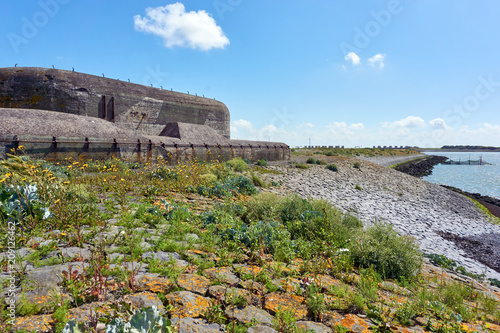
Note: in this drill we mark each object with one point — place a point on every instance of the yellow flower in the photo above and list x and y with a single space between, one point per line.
2 180
20 147
63 234
8 174
57 201
122 180
66 182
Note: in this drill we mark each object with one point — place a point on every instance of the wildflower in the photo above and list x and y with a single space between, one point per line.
63 234
57 201
2 180
66 182
20 147
122 180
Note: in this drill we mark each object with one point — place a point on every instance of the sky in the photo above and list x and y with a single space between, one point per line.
321 72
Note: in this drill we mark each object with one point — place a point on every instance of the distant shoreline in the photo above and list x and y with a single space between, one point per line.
438 150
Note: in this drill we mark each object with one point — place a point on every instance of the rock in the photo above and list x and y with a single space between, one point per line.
166 257
145 299
40 323
248 314
261 329
154 283
313 326
187 304
191 237
247 270
355 324
222 274
277 301
83 313
48 277
228 294
70 252
192 325
193 282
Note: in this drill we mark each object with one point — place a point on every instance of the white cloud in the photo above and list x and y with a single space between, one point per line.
377 61
411 131
408 122
196 30
438 123
243 124
358 126
353 58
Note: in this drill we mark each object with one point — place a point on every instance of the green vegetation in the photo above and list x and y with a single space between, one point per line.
212 215
390 255
332 167
352 152
238 164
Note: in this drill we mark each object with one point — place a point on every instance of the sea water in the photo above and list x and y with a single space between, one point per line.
483 179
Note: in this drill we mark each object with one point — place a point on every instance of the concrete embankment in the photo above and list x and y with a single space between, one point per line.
413 206
391 160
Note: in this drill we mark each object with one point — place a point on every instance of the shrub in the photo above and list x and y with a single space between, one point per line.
302 166
262 162
262 207
332 167
356 165
256 180
208 178
311 160
241 185
391 255
238 164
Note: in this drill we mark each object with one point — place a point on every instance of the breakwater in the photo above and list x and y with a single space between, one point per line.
420 167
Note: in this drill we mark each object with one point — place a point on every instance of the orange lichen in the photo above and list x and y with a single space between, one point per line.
355 324
155 284
286 302
41 323
195 283
186 304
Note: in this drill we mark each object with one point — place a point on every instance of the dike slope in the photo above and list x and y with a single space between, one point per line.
413 206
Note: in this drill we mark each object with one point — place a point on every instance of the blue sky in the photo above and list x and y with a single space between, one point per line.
352 73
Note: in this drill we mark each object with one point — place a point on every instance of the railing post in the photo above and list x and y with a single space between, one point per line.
149 153
138 150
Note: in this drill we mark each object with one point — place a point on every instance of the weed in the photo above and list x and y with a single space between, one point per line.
332 167
391 255
357 187
356 165
261 163
238 164
284 321
302 166
315 302
405 314
256 180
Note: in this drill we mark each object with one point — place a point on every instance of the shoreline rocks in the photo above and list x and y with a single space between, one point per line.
420 167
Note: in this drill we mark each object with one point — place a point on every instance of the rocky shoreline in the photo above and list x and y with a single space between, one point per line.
413 206
420 167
